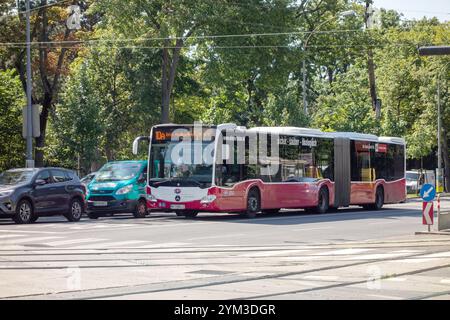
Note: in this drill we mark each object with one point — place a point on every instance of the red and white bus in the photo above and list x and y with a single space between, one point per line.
316 171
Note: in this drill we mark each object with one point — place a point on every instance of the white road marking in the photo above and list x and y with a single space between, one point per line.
384 297
321 278
414 260
4 236
445 281
35 239
116 244
342 252
164 245
27 231
377 256
309 229
225 235
437 255
272 253
396 279
73 241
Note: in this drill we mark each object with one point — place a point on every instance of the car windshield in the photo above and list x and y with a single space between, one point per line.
15 177
118 171
412 176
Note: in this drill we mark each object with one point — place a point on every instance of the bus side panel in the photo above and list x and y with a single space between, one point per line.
394 191
362 193
289 195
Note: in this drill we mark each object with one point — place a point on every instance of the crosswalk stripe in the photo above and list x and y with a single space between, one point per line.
111 244
342 252
35 239
73 241
5 236
377 256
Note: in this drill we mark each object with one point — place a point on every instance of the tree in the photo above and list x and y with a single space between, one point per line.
12 148
48 61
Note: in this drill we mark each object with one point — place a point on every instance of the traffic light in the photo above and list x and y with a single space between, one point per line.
36 121
434 51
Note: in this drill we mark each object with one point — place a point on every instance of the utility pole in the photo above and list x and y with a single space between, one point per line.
29 114
435 51
376 104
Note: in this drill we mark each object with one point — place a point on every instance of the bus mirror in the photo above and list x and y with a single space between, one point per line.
136 144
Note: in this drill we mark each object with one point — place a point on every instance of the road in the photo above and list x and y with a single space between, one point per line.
350 254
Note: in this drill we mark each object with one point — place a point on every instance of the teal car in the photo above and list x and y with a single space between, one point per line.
118 187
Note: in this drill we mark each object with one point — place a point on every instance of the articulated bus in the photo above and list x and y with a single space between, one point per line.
229 168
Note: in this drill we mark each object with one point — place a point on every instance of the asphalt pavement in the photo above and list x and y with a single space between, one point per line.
349 254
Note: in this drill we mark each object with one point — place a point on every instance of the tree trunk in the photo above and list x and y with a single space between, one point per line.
446 156
40 141
169 69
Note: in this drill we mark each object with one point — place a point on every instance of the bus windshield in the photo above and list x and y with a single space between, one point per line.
172 165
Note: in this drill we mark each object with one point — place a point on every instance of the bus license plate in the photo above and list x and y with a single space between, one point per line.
100 203
177 206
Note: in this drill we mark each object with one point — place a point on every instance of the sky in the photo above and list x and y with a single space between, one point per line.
417 9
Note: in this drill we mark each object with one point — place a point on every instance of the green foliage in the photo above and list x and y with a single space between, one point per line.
12 145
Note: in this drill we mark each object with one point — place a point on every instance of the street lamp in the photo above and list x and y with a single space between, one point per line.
439 179
340 15
433 51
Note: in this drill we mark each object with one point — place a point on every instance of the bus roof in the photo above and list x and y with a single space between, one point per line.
309 132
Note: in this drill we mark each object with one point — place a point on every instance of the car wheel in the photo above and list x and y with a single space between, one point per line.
24 212
75 210
253 203
141 209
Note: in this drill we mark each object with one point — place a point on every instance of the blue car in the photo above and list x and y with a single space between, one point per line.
118 187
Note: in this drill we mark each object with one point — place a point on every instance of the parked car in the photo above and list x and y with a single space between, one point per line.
27 194
118 187
415 179
88 178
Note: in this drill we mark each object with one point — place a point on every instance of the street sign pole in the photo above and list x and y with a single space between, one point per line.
29 114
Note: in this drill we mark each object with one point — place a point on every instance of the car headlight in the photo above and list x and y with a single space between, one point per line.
208 199
6 193
125 190
151 198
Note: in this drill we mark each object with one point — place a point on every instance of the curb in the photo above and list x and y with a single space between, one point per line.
437 233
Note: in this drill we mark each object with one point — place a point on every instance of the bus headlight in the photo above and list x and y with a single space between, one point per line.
208 199
125 190
151 198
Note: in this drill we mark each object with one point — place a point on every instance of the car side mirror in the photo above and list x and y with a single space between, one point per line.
142 178
40 182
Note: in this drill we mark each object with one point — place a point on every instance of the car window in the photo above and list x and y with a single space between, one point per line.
44 175
59 176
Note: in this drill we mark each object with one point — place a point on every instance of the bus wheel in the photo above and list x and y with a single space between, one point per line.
271 211
141 209
190 214
323 202
379 199
253 203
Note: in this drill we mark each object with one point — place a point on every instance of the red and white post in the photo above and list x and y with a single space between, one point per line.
427 214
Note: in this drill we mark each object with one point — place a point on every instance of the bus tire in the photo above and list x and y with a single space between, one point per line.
141 209
253 203
190 214
323 202
271 211
379 199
